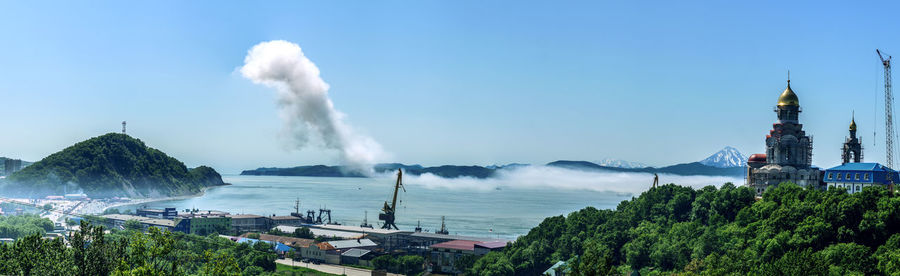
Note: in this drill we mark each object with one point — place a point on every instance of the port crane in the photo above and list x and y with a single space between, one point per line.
389 210
443 230
888 110
365 223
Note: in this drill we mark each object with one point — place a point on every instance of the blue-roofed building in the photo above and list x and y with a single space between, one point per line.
856 176
279 248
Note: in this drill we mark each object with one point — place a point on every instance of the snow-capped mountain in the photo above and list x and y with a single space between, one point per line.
728 157
618 163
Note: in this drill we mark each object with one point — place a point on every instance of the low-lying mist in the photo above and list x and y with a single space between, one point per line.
543 177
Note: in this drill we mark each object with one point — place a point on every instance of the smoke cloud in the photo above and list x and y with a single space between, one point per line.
541 177
306 109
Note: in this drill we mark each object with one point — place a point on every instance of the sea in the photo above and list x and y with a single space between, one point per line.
498 211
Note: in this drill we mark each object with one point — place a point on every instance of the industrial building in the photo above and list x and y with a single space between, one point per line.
357 256
166 213
202 224
249 223
443 256
118 220
285 220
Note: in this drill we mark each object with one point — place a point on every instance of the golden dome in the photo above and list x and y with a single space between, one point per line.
788 97
852 124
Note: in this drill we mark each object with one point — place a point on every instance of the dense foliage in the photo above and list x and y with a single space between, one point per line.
111 165
15 227
406 264
92 252
674 229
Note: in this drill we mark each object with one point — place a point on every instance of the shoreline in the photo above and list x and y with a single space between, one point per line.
107 206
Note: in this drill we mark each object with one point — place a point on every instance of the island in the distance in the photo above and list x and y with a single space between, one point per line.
110 165
452 171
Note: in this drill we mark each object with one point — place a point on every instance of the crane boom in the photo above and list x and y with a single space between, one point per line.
389 211
888 110
397 188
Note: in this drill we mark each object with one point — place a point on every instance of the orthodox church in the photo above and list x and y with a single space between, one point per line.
788 156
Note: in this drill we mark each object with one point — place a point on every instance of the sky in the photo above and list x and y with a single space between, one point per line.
447 82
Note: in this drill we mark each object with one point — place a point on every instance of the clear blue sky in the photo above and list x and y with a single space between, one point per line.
447 82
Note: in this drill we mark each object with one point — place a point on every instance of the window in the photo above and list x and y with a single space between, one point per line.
856 176
866 176
858 188
847 176
830 175
839 176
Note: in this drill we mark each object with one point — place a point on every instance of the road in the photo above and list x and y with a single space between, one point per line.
333 269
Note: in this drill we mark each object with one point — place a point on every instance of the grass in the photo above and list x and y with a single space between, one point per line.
360 266
282 269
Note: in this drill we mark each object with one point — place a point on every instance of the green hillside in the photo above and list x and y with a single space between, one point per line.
111 165
674 230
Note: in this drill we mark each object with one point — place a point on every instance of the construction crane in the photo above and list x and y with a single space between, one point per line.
888 111
389 210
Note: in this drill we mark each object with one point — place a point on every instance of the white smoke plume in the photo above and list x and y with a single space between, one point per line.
306 109
543 177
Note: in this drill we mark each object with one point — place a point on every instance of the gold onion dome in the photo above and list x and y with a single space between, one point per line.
852 124
788 97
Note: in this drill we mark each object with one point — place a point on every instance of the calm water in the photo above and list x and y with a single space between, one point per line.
510 211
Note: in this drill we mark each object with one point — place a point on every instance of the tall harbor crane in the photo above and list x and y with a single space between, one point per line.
888 110
389 210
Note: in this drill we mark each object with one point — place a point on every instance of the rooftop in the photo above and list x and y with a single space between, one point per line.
352 243
861 167
290 241
244 216
492 244
356 229
145 220
323 232
457 244
454 237
284 218
356 252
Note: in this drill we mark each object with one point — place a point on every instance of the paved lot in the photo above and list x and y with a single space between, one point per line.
333 269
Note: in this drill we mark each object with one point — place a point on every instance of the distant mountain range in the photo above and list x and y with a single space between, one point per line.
727 162
446 171
619 163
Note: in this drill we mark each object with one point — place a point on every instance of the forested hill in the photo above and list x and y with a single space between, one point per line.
679 230
111 165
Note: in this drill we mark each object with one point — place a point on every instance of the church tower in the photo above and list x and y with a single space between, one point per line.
787 143
852 151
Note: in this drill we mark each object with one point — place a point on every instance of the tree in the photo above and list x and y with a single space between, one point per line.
304 233
133 225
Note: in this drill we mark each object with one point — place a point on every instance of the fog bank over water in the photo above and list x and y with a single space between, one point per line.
540 177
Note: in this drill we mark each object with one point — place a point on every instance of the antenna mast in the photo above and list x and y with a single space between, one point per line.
123 127
888 111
